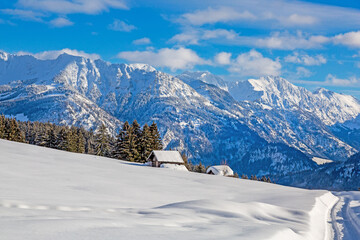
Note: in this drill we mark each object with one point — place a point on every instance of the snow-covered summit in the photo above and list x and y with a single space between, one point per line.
4 56
204 76
273 91
144 67
277 92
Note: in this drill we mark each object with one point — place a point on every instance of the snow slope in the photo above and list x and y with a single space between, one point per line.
51 194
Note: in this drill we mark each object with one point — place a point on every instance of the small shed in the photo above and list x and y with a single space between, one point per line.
222 170
156 158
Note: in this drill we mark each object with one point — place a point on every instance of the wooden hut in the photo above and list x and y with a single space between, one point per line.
156 158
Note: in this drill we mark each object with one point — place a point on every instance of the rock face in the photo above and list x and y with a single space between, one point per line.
260 126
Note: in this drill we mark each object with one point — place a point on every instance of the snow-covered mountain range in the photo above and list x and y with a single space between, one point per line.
259 126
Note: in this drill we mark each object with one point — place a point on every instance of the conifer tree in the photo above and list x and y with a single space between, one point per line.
186 161
28 133
102 147
80 142
145 143
72 139
156 143
12 131
89 141
51 140
122 145
19 135
135 137
62 139
235 175
2 126
40 134
199 168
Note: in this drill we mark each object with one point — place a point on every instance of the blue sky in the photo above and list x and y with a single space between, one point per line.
310 43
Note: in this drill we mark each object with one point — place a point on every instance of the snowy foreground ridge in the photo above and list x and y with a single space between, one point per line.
51 194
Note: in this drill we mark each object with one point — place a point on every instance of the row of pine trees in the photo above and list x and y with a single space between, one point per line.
133 142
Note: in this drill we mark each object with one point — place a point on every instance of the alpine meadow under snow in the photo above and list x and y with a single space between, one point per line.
52 194
264 126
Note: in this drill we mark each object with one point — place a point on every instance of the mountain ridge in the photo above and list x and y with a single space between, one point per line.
205 120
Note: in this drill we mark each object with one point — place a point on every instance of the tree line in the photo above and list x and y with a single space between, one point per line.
254 177
132 143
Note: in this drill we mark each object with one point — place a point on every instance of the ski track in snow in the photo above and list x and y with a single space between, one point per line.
16 205
345 216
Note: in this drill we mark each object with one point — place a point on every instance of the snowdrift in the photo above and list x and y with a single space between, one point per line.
51 194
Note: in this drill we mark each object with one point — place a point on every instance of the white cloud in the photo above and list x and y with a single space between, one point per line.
274 14
277 40
350 39
356 55
181 58
38 10
142 41
296 19
287 41
223 58
255 64
47 55
61 22
303 72
24 14
194 36
188 37
306 59
219 33
72 6
333 80
212 15
121 26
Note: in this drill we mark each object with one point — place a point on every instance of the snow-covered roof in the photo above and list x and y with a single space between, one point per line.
223 170
178 167
166 157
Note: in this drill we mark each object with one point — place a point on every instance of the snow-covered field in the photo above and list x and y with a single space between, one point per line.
51 194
